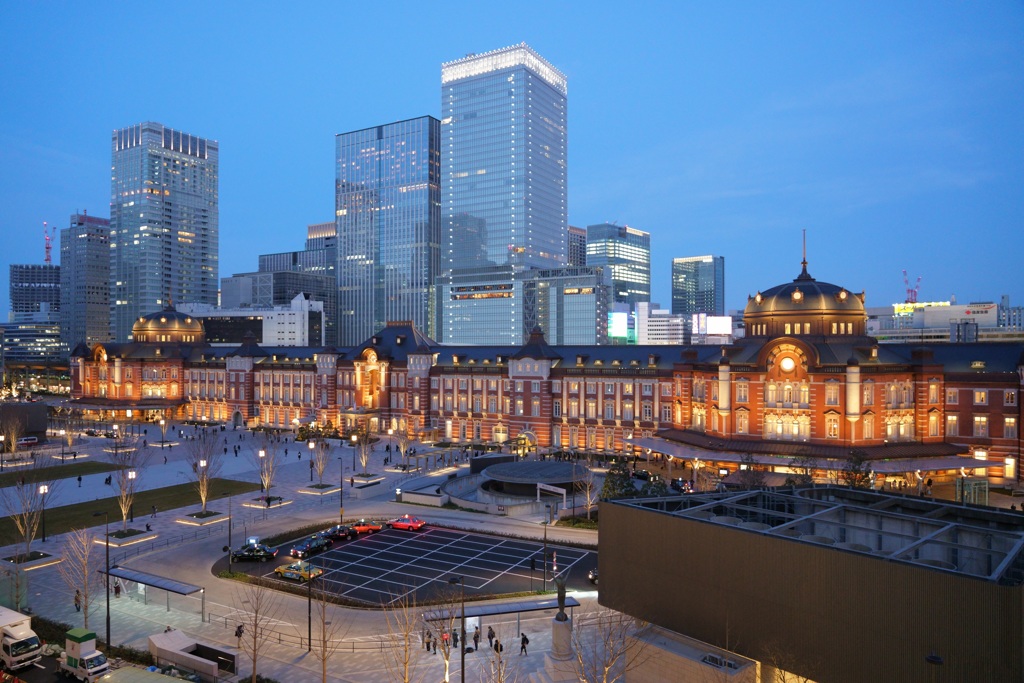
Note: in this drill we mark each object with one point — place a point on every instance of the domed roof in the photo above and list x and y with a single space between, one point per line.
805 295
168 325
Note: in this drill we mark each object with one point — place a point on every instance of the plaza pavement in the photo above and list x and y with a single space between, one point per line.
189 559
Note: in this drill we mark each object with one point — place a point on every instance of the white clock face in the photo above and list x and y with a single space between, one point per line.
787 364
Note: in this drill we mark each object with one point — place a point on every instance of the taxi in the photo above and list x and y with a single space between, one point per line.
407 523
365 526
300 571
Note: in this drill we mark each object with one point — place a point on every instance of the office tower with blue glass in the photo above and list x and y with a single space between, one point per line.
164 222
626 253
698 285
504 180
388 218
85 281
577 246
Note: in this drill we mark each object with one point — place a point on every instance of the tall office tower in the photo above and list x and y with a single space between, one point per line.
626 252
85 281
504 145
388 216
577 246
35 293
698 285
164 222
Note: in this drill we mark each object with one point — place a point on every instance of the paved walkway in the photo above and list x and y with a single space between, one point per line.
189 559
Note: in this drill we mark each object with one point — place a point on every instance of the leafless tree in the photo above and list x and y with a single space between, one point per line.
131 461
206 461
266 458
77 570
404 624
779 662
402 439
589 487
363 446
499 667
331 627
802 471
606 645
12 429
24 501
258 607
751 475
444 620
321 459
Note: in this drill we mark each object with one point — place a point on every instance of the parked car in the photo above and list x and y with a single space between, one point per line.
301 571
592 576
254 552
339 532
407 523
642 474
311 546
364 526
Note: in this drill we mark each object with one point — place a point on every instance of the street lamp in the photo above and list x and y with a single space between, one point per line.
355 440
63 432
461 580
263 486
163 431
309 606
341 490
43 490
1 452
106 536
131 487
312 447
547 518
230 547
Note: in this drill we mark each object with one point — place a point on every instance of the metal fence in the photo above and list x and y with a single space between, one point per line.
293 640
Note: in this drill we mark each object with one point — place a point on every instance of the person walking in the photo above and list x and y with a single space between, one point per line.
523 642
78 600
490 637
79 481
154 512
476 639
117 588
498 647
426 640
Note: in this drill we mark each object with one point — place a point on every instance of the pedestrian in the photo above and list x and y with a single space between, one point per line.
433 645
78 600
498 647
523 642
117 588
240 631
444 641
154 512
455 640
476 639
79 481
148 527
490 637
426 640
165 459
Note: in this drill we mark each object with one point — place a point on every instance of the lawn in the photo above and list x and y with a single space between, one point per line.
13 474
66 517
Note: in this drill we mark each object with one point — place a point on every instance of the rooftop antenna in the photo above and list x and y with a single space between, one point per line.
49 246
804 275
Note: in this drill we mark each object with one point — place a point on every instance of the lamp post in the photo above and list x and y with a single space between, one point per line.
355 441
106 536
341 490
230 547
263 486
461 580
309 606
114 431
163 431
2 452
547 517
43 490
63 433
312 447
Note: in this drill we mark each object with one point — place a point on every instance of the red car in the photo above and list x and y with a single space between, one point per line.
365 526
408 523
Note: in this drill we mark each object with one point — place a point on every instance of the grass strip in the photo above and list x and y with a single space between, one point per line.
13 474
79 515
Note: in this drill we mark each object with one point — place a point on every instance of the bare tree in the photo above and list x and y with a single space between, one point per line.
802 471
779 662
12 429
499 667
266 458
25 500
205 459
258 606
857 471
606 645
77 570
331 627
444 621
588 486
751 475
363 446
402 437
321 459
403 623
131 461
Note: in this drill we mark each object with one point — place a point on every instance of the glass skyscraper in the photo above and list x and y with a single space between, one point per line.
504 145
164 222
85 281
626 252
698 285
388 217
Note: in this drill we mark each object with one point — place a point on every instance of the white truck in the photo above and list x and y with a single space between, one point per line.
19 644
80 658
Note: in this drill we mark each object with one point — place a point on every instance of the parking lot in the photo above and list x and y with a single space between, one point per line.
390 565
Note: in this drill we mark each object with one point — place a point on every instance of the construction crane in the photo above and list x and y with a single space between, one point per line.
911 291
49 246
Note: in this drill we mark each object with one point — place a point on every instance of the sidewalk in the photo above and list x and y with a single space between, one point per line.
132 621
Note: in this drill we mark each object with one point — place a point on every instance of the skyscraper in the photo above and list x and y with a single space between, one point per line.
85 281
698 285
626 252
388 217
504 145
164 222
35 292
577 246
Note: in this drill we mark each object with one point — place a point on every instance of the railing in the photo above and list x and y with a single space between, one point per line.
200 532
273 636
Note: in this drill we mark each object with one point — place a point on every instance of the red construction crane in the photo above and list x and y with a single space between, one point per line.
49 246
911 291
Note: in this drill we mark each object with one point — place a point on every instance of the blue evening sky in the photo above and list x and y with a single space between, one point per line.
893 132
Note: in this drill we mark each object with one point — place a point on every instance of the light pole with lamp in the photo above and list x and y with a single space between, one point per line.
461 580
230 547
312 447
2 452
309 606
106 536
63 433
547 517
355 442
341 490
43 490
131 487
114 430
263 486
163 431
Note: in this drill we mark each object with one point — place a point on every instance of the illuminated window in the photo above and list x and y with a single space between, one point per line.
535 407
869 426
742 391
1010 428
933 392
980 397
832 426
868 393
832 393
742 422
1010 398
980 425
951 396
933 424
